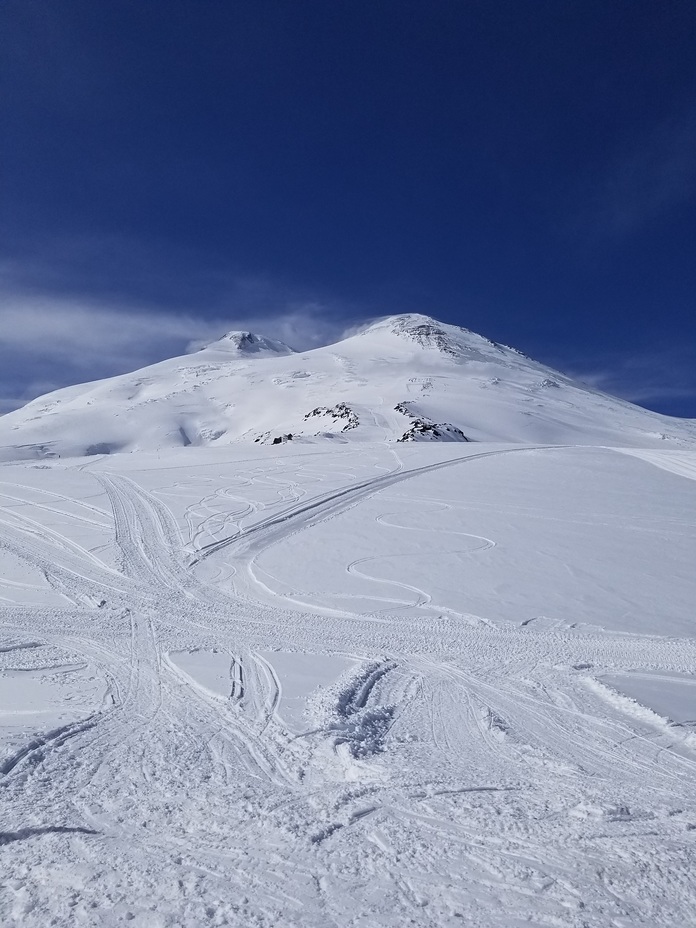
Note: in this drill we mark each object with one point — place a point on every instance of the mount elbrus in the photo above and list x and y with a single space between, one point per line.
402 379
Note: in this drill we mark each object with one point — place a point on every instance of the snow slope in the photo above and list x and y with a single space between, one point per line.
349 685
404 378
347 679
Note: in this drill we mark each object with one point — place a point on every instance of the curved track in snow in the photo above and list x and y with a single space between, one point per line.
451 774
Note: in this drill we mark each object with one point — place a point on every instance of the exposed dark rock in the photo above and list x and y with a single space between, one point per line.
423 430
339 411
427 334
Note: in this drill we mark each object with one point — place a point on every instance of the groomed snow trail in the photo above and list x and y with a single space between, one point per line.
442 769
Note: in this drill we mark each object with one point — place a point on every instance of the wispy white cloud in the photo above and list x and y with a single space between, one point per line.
87 336
656 379
48 341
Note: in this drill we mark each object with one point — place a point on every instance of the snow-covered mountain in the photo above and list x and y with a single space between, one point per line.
404 378
347 682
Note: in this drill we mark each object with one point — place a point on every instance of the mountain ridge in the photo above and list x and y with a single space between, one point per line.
401 378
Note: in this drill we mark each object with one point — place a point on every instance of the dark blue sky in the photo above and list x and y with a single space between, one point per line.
171 168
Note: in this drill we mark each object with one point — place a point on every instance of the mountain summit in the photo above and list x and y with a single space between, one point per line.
451 340
247 344
400 379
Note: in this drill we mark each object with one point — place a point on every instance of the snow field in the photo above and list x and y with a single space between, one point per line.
441 686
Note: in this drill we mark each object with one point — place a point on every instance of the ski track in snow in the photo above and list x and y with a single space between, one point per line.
458 773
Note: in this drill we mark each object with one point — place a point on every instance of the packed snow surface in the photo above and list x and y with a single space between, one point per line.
354 685
405 379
